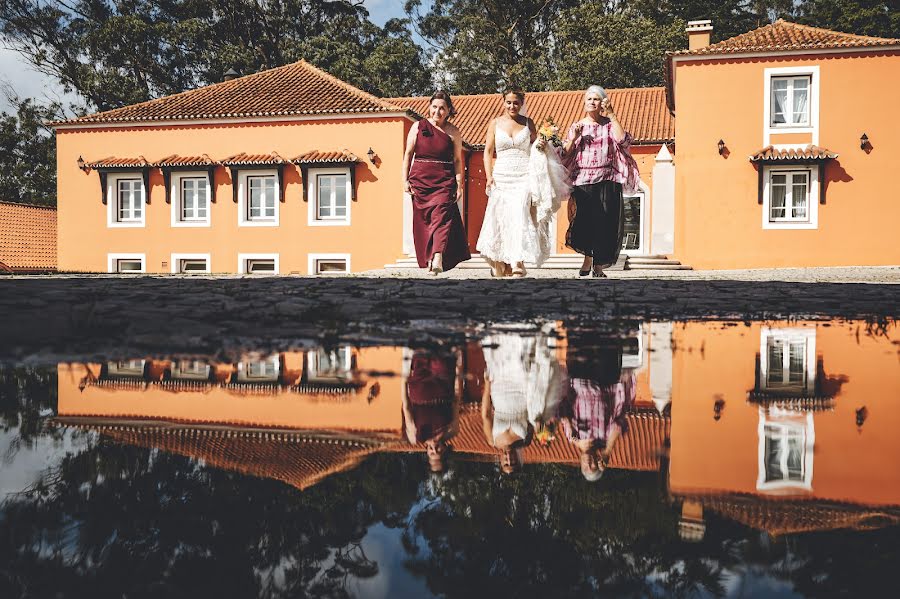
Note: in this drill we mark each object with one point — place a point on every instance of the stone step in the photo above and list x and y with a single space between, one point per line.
648 261
554 262
658 267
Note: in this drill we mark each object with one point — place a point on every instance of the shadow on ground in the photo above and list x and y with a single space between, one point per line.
77 318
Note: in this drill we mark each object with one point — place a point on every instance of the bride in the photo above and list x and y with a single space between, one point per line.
524 189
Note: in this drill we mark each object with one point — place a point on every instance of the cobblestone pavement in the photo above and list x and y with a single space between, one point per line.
78 317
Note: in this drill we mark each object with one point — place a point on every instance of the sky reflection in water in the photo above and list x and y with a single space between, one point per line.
691 459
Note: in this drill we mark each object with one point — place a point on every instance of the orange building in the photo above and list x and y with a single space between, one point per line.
291 171
786 424
786 137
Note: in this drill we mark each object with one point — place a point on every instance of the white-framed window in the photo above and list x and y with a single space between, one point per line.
258 264
329 198
786 450
126 263
266 370
791 99
633 349
258 198
334 365
191 264
126 368
191 199
125 197
787 361
191 370
790 197
324 264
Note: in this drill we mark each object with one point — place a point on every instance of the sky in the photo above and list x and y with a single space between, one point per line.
26 82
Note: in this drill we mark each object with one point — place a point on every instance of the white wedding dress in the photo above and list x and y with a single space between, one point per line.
523 177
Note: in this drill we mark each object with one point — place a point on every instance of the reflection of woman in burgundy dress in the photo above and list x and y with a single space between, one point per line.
435 182
430 407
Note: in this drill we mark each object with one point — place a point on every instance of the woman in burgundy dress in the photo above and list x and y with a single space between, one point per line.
435 182
431 397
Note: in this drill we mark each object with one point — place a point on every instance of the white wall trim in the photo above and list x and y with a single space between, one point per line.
312 196
176 199
111 260
781 54
178 257
813 127
311 261
234 121
112 200
644 193
813 201
242 262
244 198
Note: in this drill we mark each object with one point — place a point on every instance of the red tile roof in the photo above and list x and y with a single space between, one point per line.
810 152
295 89
27 238
113 162
642 111
253 159
785 36
175 160
318 157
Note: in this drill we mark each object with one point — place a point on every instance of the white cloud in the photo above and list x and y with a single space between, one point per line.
25 81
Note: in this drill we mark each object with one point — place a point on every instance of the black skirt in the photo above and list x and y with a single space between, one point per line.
597 226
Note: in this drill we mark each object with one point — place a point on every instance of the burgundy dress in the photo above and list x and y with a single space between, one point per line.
437 224
430 388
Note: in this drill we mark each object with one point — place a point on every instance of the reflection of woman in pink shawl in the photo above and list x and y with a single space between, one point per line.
593 412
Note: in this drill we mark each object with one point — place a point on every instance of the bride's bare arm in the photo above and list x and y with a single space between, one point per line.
408 154
489 157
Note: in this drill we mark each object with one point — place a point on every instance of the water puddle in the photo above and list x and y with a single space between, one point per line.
633 458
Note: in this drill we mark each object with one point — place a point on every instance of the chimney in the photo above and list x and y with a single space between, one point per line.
232 74
698 34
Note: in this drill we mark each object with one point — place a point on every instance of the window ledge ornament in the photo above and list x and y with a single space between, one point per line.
244 161
187 163
316 158
810 154
112 164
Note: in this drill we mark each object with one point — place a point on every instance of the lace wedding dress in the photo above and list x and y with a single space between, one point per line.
509 233
529 186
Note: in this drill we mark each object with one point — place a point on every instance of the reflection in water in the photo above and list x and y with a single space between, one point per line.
329 471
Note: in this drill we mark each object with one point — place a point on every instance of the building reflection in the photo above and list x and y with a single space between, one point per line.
744 422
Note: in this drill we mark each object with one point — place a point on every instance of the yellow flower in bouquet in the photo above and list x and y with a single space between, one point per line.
550 131
545 433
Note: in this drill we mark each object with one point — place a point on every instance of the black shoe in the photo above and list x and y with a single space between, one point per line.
598 273
584 273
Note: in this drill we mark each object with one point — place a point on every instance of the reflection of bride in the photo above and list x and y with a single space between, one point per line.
525 186
522 387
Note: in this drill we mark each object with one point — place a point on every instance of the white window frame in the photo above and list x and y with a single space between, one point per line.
242 262
112 261
813 198
811 71
312 190
244 198
643 194
313 258
243 376
192 374
176 258
636 360
177 199
786 335
786 420
112 200
126 368
313 374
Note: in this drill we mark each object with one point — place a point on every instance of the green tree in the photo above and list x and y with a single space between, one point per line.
623 49
118 52
482 45
880 18
28 154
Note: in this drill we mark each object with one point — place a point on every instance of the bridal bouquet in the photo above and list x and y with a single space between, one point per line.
549 131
